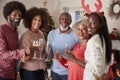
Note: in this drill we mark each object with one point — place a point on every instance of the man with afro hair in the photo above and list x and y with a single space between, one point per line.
13 12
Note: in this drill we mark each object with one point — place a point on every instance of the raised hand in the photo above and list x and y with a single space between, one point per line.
57 55
28 55
26 58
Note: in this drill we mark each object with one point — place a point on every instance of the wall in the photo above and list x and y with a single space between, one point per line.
28 4
55 7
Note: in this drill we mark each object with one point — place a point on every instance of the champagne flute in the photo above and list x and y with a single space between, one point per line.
41 46
35 45
48 48
67 48
57 57
57 54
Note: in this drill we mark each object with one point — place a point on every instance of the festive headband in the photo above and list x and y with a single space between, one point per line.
99 13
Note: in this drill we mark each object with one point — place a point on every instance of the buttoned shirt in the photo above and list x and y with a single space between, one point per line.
9 52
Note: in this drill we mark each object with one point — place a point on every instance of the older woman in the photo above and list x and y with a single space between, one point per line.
75 72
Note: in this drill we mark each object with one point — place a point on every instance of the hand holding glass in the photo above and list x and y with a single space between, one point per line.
57 55
48 48
38 46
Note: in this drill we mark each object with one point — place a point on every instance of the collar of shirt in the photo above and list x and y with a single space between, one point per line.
67 31
11 26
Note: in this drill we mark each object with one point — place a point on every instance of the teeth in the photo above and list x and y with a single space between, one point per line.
16 20
89 29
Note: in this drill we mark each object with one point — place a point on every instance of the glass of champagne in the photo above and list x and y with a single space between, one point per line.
67 48
41 46
57 54
48 48
35 45
57 57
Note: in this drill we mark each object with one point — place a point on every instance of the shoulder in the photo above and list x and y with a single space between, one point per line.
41 32
53 31
72 32
95 41
74 35
3 27
25 34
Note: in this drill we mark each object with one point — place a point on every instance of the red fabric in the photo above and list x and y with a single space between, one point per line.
75 71
64 62
112 36
110 72
110 68
8 53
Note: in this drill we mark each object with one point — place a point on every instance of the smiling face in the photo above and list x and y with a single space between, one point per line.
82 31
14 18
94 25
36 23
65 19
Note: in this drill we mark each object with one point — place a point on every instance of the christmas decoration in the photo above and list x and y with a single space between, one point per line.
49 20
115 34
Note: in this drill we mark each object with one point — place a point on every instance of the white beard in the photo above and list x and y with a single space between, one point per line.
63 28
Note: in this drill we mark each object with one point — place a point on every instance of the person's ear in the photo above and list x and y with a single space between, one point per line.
70 21
8 17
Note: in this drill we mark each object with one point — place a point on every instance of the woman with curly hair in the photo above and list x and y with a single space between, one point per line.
34 37
13 12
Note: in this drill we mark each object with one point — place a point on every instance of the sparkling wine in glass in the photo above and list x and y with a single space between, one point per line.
48 48
35 45
41 45
67 48
57 54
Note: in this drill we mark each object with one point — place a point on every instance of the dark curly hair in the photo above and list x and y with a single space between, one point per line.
31 13
13 5
44 16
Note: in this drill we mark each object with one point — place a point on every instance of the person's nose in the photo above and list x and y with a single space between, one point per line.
89 26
